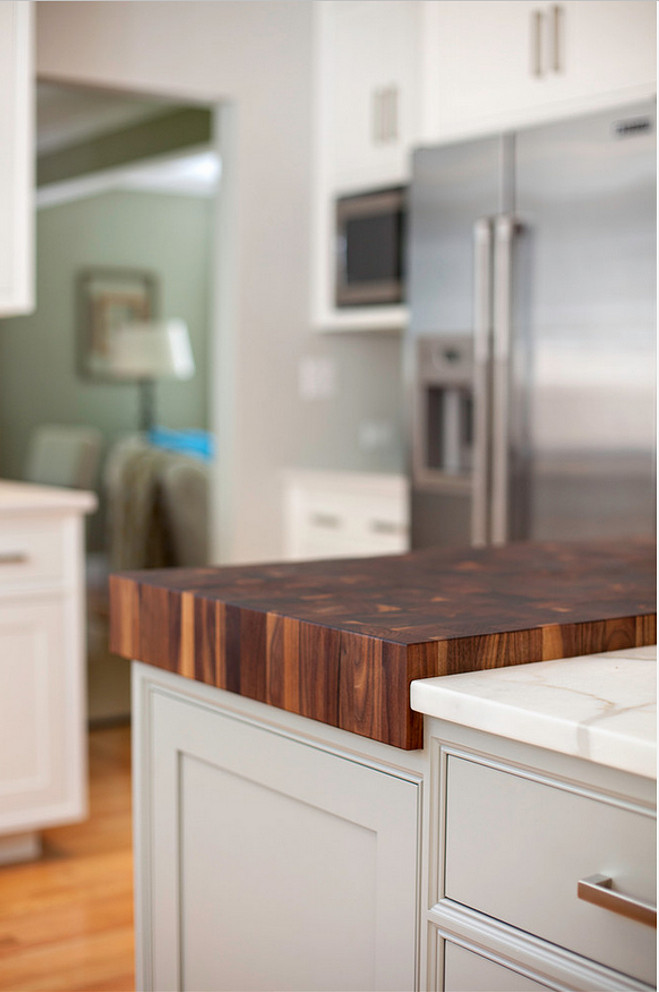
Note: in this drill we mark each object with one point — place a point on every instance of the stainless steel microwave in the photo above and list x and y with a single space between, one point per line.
370 233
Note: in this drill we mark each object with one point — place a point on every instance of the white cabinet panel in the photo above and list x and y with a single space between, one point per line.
514 62
42 714
369 113
374 82
614 44
33 554
16 160
345 514
41 759
266 861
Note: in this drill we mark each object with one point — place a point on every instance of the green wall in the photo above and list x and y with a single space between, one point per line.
168 234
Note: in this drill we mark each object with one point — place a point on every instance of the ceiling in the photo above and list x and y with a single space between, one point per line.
67 115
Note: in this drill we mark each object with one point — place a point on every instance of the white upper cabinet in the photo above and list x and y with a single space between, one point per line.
502 64
17 159
374 93
369 114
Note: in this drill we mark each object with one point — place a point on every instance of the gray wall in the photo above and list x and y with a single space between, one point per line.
167 234
255 61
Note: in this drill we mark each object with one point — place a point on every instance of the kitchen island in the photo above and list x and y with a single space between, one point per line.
274 851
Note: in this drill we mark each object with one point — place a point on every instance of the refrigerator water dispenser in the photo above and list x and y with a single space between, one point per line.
443 446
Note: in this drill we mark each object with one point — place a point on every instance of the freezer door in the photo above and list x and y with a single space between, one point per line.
582 363
456 190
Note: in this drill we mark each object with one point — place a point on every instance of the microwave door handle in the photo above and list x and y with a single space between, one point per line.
501 382
480 502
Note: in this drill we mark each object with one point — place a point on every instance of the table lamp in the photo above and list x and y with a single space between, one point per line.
149 351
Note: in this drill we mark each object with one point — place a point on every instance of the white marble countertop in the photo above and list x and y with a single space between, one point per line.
600 707
19 497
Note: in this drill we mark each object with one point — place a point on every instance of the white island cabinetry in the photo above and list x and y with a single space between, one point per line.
277 852
543 860
272 852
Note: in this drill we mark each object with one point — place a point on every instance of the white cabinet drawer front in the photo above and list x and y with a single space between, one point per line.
31 553
466 971
339 523
516 849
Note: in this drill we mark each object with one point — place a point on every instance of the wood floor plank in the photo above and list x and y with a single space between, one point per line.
66 920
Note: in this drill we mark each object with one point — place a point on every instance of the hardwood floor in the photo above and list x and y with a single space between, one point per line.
66 921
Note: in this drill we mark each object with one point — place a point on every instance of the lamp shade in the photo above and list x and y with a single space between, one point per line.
153 350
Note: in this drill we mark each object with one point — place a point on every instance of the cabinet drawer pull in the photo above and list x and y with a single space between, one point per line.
597 890
325 520
385 527
13 558
537 18
556 37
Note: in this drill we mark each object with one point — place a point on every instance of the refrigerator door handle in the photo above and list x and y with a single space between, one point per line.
483 240
503 251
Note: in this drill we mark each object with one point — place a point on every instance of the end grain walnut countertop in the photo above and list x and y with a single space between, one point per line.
340 641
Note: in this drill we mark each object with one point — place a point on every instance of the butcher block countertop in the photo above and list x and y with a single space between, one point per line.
340 641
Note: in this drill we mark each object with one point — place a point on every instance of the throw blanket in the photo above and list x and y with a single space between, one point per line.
137 529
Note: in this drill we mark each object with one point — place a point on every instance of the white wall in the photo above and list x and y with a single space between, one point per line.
256 57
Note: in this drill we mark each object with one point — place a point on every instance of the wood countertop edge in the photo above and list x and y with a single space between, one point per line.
348 679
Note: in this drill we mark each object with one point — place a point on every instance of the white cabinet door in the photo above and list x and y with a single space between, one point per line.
16 159
510 63
266 861
614 45
41 759
374 91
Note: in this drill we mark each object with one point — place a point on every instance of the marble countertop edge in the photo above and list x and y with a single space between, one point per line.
619 733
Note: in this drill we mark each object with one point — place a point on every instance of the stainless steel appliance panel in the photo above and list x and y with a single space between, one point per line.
456 190
582 363
452 187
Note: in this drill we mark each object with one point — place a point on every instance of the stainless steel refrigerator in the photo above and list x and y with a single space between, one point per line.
530 356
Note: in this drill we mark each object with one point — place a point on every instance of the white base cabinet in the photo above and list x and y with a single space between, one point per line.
42 710
267 858
513 830
344 515
274 852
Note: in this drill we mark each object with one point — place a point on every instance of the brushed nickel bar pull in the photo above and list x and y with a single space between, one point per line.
13 558
325 520
386 527
557 16
392 129
480 531
597 890
537 19
377 116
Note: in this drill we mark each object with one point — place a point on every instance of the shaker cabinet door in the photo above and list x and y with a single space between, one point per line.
374 91
41 758
269 862
515 62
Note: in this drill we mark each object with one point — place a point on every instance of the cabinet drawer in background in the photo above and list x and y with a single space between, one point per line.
31 553
517 847
467 971
338 515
